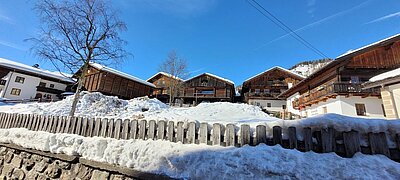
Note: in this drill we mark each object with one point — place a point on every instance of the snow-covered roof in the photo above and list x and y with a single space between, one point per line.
369 45
277 67
41 72
385 75
125 75
165 74
212 75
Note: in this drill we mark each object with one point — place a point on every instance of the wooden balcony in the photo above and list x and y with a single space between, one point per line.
331 91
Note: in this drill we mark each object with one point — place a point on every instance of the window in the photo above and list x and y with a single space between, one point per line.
360 109
266 91
355 79
257 91
204 82
19 79
206 92
270 82
42 84
15 91
51 85
283 106
3 82
268 104
325 110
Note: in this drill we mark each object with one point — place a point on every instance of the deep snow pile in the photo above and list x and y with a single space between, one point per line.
211 162
90 105
99 105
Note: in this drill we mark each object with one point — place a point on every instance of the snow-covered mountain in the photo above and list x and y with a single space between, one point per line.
306 68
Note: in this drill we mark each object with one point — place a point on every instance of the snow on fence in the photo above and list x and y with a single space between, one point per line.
325 140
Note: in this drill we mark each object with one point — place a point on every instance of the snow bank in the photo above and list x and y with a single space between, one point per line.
211 162
99 105
90 105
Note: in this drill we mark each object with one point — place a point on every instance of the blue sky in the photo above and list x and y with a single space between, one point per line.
227 38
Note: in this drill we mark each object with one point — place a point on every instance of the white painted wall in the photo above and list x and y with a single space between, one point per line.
28 88
289 104
57 85
276 105
395 89
346 106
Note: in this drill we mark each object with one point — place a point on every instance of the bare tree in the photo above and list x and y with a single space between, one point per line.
75 33
177 68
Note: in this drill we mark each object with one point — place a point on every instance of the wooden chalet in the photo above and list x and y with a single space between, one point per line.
269 84
206 87
108 81
162 81
337 87
263 89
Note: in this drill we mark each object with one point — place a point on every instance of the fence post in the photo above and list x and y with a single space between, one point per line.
104 126
152 130
84 127
27 120
203 133
50 124
261 134
161 129
1 120
328 140
45 123
97 127
277 135
73 124
110 131
216 135
230 135
142 130
308 142
378 143
134 129
117 129
78 125
292 138
125 129
351 141
91 127
180 132
171 130
244 134
191 133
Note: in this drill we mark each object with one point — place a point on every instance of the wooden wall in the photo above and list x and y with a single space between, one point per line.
222 90
111 84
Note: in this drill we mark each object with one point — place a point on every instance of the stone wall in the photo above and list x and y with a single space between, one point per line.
21 163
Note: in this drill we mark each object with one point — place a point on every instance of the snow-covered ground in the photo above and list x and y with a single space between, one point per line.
208 162
98 105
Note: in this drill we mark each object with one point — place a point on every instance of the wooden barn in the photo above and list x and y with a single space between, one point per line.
206 87
337 87
263 89
163 81
108 81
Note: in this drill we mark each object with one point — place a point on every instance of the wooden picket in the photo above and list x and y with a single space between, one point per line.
322 140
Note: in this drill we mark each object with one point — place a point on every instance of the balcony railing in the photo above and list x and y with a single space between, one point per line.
339 88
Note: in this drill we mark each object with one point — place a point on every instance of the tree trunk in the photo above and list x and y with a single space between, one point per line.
78 90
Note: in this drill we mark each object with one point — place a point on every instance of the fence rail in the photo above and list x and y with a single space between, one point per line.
324 140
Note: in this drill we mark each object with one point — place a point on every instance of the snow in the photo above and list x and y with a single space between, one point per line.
308 69
277 67
24 67
385 75
111 70
369 45
165 74
191 161
99 105
212 75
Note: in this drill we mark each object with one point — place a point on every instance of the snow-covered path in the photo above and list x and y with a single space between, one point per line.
209 162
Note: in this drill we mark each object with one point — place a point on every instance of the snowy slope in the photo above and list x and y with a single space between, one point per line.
309 67
208 162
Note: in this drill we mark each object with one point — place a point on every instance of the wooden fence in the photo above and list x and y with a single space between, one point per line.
325 140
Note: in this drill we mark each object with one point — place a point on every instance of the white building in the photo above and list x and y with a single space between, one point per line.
389 83
338 86
23 82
